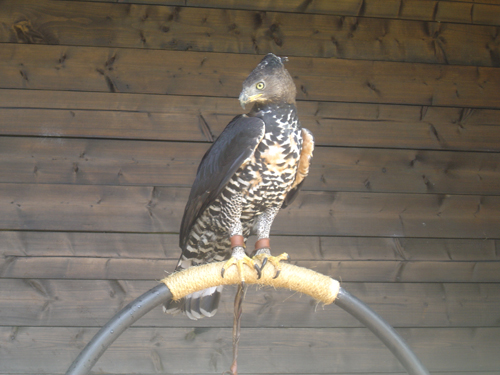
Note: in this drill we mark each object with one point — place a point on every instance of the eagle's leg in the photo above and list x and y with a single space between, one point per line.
239 257
262 247
232 214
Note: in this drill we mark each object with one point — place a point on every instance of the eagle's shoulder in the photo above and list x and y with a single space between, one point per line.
234 146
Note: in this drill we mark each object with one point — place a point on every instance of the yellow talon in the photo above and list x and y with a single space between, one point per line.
274 260
239 263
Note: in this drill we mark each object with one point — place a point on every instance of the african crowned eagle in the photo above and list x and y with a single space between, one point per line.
255 167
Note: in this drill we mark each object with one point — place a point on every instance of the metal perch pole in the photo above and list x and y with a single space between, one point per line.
321 287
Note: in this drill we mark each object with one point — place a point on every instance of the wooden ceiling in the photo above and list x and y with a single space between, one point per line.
106 108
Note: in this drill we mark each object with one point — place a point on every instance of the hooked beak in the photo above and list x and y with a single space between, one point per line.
244 98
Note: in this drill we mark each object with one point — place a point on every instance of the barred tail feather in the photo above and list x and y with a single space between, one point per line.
196 305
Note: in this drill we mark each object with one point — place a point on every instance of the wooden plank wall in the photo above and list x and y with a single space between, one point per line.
106 108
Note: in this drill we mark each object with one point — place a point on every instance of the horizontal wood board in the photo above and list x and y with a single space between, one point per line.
359 373
72 302
248 32
349 271
101 208
309 248
187 118
106 108
111 162
47 67
475 12
312 349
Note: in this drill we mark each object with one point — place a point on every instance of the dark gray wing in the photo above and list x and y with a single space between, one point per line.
235 145
292 194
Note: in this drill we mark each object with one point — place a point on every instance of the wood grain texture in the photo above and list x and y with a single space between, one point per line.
90 303
474 12
159 209
338 373
249 32
303 248
392 215
91 244
182 118
343 373
110 162
95 162
411 171
298 350
132 209
217 74
106 109
102 124
348 271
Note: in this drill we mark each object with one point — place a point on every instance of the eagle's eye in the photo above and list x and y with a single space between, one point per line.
260 86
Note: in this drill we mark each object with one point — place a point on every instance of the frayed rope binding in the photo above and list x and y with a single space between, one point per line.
303 280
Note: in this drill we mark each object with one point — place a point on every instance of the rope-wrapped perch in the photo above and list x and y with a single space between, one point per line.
314 284
177 285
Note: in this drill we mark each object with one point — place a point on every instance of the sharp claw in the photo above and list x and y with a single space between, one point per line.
274 261
222 271
258 269
264 262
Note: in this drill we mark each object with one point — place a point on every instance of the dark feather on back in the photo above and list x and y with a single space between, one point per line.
234 145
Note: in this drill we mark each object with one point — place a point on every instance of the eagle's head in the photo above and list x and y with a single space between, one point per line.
269 82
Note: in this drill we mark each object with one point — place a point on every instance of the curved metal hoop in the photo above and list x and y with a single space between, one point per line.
161 293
